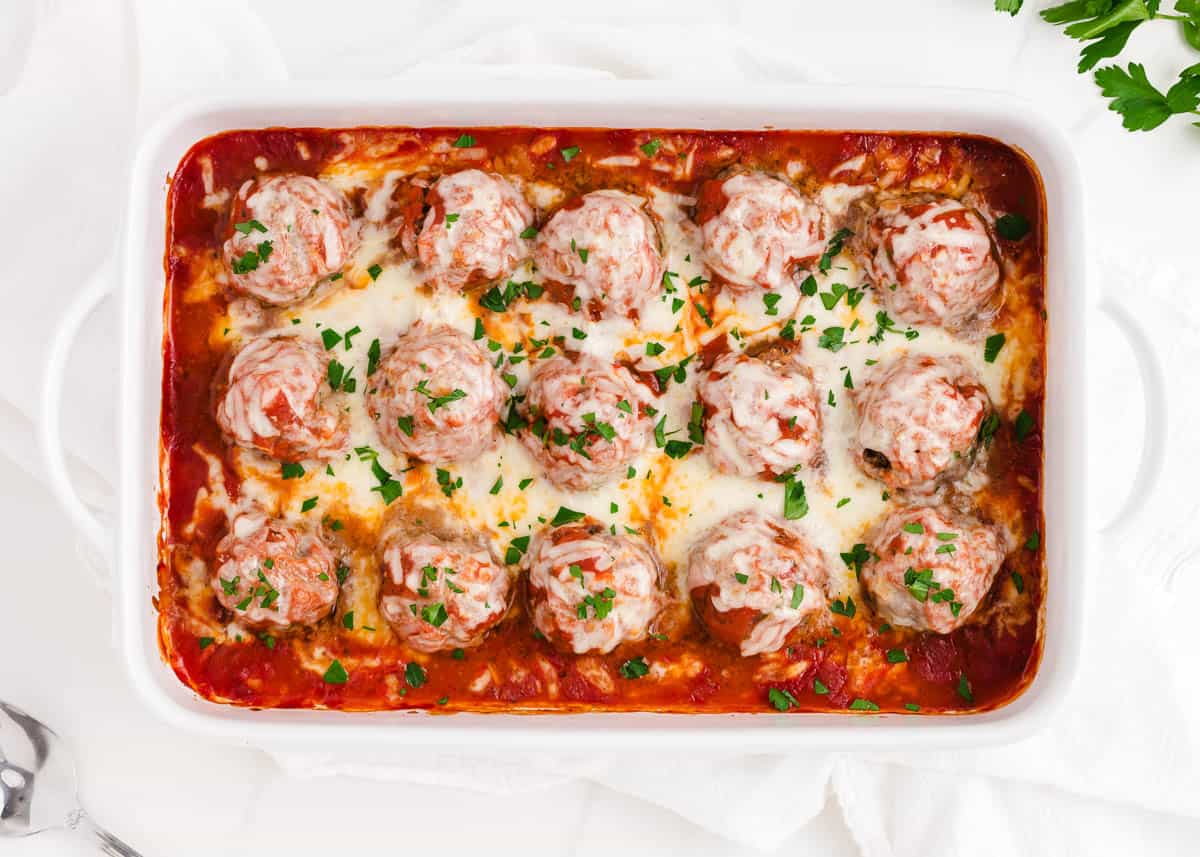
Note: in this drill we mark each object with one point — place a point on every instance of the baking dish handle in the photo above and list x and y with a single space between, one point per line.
53 451
1154 432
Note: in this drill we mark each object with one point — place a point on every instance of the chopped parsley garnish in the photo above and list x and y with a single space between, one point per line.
525 483
204 642
856 558
565 516
771 302
860 704
782 699
992 346
808 287
529 232
789 330
250 260
600 602
832 339
248 226
414 674
516 550
375 270
914 527
819 687
843 608
897 656
795 503
1034 541
987 429
405 424
373 355
434 614
309 504
499 300
336 673
569 153
797 596
1018 582
634 668
1012 227
291 470
436 402
653 349
832 249
465 141
651 148
348 621
964 689
1023 425
884 325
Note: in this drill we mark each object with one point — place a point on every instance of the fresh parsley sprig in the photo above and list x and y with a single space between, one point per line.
1104 28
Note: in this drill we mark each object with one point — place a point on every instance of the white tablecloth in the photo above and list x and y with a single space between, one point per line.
1116 773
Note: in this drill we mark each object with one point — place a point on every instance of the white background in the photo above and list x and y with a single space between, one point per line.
78 80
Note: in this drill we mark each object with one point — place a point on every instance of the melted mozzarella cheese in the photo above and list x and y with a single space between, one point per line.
842 501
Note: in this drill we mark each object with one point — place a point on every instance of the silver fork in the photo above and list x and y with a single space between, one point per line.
37 784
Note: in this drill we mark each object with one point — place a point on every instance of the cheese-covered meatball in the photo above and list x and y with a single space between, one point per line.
274 398
605 248
436 397
930 567
932 261
589 590
757 583
762 415
439 594
287 232
273 575
472 231
757 230
586 420
918 421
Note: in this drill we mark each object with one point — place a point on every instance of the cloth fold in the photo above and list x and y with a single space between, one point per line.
1122 744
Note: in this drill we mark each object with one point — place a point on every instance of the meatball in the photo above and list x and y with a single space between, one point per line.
273 575
762 415
930 567
932 261
288 233
757 582
436 397
472 231
589 590
605 247
586 420
757 230
274 398
439 594
918 421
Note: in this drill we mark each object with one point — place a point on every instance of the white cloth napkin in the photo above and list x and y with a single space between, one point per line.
1117 771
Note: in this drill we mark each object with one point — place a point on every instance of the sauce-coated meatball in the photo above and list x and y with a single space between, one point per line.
586 420
589 590
918 421
439 594
762 415
757 230
939 256
274 398
605 248
436 397
930 567
272 575
288 232
472 231
757 582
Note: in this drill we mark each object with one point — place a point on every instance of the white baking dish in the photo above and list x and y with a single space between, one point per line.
615 104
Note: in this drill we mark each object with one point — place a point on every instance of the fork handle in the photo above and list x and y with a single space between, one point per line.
108 843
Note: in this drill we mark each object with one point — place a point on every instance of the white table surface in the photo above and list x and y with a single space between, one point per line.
172 794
